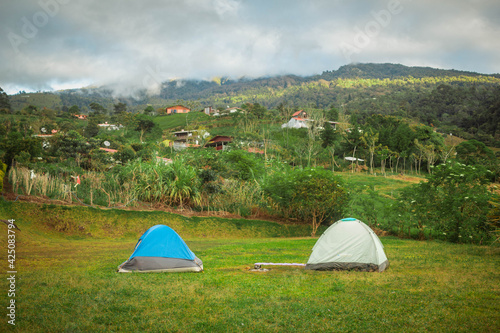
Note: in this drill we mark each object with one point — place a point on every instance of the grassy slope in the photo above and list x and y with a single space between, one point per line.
66 281
40 100
181 120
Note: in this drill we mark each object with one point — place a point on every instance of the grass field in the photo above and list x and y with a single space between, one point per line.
180 120
67 282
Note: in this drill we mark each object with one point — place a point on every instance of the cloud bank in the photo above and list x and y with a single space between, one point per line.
52 44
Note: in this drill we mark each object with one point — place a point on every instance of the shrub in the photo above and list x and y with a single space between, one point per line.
3 170
453 202
243 165
310 194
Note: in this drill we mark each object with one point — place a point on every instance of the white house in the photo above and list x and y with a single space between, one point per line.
297 123
110 127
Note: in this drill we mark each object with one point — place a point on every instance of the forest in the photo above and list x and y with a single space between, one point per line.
441 129
462 103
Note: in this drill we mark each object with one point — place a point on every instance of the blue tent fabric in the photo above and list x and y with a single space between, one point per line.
162 241
161 249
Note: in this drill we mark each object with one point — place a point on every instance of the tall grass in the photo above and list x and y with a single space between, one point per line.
27 182
238 197
172 184
175 183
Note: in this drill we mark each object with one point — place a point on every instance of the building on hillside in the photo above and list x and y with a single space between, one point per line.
194 136
110 127
185 139
109 150
234 110
255 150
210 111
177 109
164 160
300 119
81 116
333 124
300 114
228 111
296 122
219 142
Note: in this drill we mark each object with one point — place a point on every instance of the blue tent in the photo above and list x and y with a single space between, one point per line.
161 249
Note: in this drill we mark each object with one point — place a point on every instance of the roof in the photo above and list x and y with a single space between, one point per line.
255 150
221 138
178 105
164 159
109 150
297 113
348 158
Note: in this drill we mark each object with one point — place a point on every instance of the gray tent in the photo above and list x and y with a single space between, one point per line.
348 244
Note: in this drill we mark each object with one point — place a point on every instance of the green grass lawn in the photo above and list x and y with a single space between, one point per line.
67 282
183 120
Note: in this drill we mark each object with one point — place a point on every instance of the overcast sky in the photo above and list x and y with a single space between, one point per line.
54 44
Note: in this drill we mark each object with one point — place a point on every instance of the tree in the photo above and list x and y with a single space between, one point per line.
310 194
120 108
430 151
370 140
124 154
149 110
97 108
314 131
5 106
333 114
92 128
74 109
243 165
144 124
71 145
352 141
16 143
256 109
476 153
453 202
328 135
473 152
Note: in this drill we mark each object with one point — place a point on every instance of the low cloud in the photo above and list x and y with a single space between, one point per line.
137 45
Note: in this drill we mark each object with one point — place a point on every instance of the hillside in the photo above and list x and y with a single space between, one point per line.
464 103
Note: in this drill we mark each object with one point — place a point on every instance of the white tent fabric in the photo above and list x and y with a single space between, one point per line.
348 244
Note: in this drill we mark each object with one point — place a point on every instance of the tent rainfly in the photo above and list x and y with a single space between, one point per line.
161 249
348 244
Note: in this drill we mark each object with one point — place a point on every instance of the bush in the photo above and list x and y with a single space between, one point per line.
453 203
243 165
3 170
310 194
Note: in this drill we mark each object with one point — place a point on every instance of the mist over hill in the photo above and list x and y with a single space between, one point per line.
461 102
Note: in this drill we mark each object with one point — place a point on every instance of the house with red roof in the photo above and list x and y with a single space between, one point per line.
300 119
300 114
177 109
219 142
109 150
